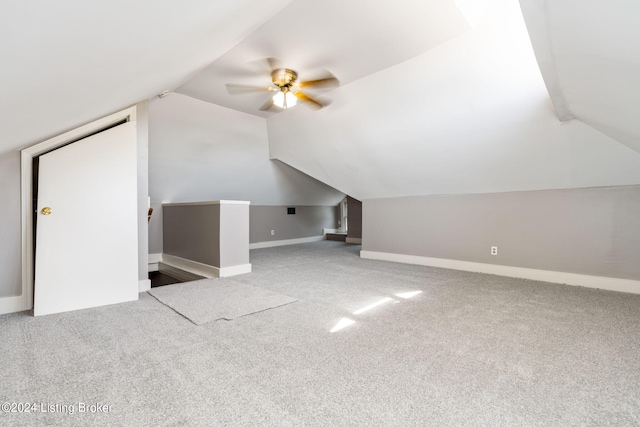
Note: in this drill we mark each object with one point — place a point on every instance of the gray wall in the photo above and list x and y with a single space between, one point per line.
192 232
307 222
10 240
354 218
594 231
234 235
155 229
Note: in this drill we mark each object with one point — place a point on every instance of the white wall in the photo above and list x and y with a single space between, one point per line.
142 131
202 152
472 115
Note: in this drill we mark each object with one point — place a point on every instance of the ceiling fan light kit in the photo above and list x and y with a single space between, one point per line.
284 100
288 88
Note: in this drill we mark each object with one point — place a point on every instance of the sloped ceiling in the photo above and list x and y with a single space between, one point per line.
67 62
589 55
471 115
437 96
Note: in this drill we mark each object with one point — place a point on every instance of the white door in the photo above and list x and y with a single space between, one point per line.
87 246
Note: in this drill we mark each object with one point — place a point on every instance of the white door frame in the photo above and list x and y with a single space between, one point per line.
25 301
344 213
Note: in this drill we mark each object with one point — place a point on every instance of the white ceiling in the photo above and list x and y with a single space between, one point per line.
351 39
589 55
68 62
472 116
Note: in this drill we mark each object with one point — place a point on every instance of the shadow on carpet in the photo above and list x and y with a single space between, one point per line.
207 300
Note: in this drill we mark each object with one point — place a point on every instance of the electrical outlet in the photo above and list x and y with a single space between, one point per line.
273 232
494 250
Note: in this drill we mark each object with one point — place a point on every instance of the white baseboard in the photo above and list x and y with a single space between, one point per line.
354 240
329 230
194 267
144 285
204 270
235 270
287 242
154 259
12 304
598 282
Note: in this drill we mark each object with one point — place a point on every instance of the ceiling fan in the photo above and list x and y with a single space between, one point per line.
287 88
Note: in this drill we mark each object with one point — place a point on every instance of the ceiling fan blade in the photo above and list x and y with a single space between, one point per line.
267 65
267 105
309 101
320 83
235 88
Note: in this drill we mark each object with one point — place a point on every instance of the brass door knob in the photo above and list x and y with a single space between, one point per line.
46 211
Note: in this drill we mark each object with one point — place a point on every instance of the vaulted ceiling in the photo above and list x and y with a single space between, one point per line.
437 96
474 114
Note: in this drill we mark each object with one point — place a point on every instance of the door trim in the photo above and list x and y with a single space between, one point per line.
26 191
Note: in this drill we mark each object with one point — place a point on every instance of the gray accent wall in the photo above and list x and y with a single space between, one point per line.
592 231
354 218
308 221
211 233
192 232
10 240
155 229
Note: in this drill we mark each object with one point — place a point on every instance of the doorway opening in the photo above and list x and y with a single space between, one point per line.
340 235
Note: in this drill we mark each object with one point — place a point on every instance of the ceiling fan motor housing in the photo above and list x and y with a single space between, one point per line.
284 77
